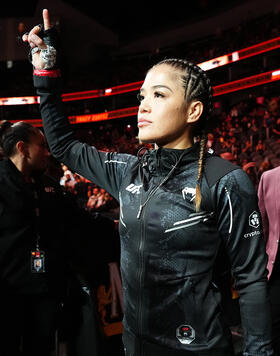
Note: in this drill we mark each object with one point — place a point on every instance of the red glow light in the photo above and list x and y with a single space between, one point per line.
241 54
222 89
125 88
248 82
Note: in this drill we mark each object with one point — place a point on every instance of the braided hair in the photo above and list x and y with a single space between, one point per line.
197 86
10 134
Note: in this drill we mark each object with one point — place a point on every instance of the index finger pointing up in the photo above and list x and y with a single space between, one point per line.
46 19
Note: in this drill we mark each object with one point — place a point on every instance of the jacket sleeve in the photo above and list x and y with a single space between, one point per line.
239 224
105 169
262 207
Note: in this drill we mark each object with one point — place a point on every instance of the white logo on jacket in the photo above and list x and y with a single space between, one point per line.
254 220
134 189
188 192
49 190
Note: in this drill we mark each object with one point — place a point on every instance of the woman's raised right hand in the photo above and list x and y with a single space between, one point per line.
36 42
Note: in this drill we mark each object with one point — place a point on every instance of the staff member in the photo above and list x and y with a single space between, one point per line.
33 258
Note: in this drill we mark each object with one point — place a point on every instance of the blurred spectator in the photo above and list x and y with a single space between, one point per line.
81 191
251 170
269 204
264 166
254 132
273 107
228 156
67 176
276 129
93 199
260 147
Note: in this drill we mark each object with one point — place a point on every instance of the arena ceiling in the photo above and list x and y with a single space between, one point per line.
130 19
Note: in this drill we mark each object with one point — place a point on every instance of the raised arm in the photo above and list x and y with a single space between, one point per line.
43 51
103 168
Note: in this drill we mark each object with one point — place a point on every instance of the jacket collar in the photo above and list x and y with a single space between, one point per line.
12 177
162 160
7 168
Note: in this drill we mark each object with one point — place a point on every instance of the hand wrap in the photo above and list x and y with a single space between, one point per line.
49 55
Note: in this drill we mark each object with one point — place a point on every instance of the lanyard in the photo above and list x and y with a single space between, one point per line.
37 256
37 213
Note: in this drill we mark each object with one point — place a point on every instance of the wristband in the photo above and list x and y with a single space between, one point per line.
53 73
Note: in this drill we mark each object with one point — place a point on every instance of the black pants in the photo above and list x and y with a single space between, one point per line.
28 325
274 295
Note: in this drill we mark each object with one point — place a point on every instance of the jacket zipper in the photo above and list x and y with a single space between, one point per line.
140 277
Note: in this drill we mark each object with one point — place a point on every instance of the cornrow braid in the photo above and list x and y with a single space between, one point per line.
197 86
198 198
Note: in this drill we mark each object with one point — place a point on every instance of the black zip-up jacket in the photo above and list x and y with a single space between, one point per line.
168 251
19 228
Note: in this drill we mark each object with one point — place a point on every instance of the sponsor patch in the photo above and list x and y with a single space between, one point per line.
49 189
185 334
254 220
188 193
252 234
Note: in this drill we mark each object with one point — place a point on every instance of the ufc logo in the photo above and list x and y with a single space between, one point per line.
134 189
